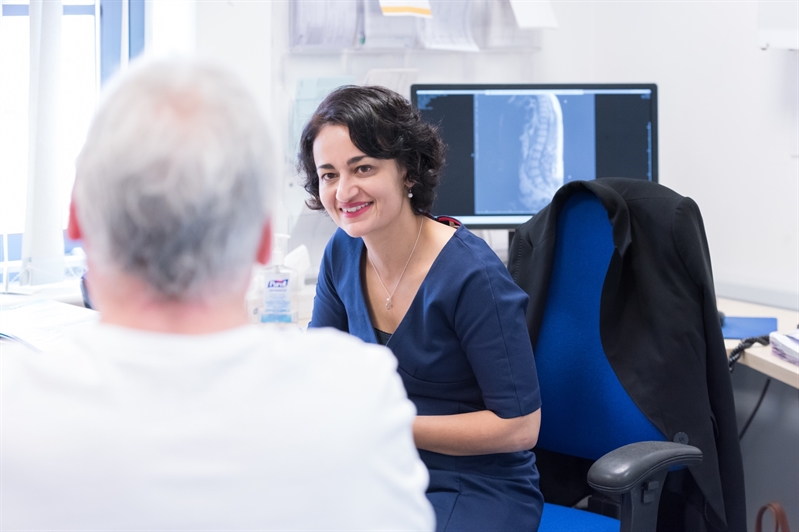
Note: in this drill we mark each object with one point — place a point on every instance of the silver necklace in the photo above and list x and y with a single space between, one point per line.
390 298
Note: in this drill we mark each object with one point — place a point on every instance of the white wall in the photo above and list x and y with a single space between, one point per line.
729 122
728 111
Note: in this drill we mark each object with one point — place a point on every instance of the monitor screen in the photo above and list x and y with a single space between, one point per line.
511 147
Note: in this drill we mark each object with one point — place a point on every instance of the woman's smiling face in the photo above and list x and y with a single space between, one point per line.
361 194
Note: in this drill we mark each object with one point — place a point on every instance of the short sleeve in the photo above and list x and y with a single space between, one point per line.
490 320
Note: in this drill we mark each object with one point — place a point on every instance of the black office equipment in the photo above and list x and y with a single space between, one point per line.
510 147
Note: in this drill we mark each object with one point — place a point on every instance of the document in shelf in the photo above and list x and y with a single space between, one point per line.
318 24
43 324
413 8
450 28
381 31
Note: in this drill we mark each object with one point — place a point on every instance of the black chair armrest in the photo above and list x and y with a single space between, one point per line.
634 475
622 469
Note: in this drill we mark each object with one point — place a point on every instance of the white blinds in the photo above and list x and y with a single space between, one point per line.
43 240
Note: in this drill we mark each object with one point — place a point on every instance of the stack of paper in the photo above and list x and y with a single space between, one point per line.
42 324
785 346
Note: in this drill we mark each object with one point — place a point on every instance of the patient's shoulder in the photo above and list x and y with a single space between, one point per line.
338 352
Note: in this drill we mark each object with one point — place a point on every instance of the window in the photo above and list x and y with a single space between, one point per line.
91 51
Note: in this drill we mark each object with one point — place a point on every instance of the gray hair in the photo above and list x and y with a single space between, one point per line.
173 183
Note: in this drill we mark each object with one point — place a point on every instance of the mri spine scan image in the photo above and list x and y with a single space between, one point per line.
541 164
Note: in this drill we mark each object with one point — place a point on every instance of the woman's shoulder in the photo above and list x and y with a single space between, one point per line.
342 243
341 254
472 246
467 258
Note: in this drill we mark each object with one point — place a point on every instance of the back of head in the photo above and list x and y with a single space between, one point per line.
173 183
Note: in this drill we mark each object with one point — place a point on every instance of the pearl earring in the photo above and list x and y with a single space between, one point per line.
410 194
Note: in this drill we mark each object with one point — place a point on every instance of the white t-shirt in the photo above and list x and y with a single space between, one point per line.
246 429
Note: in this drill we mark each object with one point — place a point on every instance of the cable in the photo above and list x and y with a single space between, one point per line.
735 355
745 344
757 407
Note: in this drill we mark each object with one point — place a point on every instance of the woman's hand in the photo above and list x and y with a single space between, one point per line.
476 433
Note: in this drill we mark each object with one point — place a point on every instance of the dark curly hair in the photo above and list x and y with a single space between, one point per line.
384 125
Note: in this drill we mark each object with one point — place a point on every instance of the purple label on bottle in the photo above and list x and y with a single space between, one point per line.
277 283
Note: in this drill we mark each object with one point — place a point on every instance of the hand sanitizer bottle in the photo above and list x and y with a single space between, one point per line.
278 303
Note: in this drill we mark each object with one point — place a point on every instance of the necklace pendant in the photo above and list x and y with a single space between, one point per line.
389 303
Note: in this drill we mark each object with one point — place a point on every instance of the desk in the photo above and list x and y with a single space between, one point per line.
759 357
67 291
769 448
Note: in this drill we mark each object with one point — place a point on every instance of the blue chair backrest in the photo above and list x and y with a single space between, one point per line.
586 411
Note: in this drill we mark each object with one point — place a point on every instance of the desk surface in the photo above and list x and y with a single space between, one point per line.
756 357
67 291
759 357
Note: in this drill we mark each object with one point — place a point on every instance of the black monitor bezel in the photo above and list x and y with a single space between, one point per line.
547 86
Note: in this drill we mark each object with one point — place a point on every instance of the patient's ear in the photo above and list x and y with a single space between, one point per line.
74 231
265 245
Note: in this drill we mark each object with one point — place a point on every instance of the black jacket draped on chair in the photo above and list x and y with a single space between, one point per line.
660 330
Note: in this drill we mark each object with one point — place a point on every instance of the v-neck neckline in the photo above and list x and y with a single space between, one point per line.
415 296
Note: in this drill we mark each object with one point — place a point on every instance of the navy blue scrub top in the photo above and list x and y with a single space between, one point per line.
463 346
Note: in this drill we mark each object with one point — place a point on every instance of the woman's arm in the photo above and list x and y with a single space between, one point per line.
476 433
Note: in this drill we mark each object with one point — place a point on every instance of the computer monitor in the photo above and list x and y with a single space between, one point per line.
511 147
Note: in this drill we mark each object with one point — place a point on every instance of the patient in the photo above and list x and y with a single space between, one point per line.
172 413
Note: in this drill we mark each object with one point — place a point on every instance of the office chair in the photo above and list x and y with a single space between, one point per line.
586 411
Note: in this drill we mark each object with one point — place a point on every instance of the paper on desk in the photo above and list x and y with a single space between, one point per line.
413 8
323 24
537 14
380 31
785 346
43 324
450 28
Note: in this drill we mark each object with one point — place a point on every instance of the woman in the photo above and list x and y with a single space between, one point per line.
437 296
